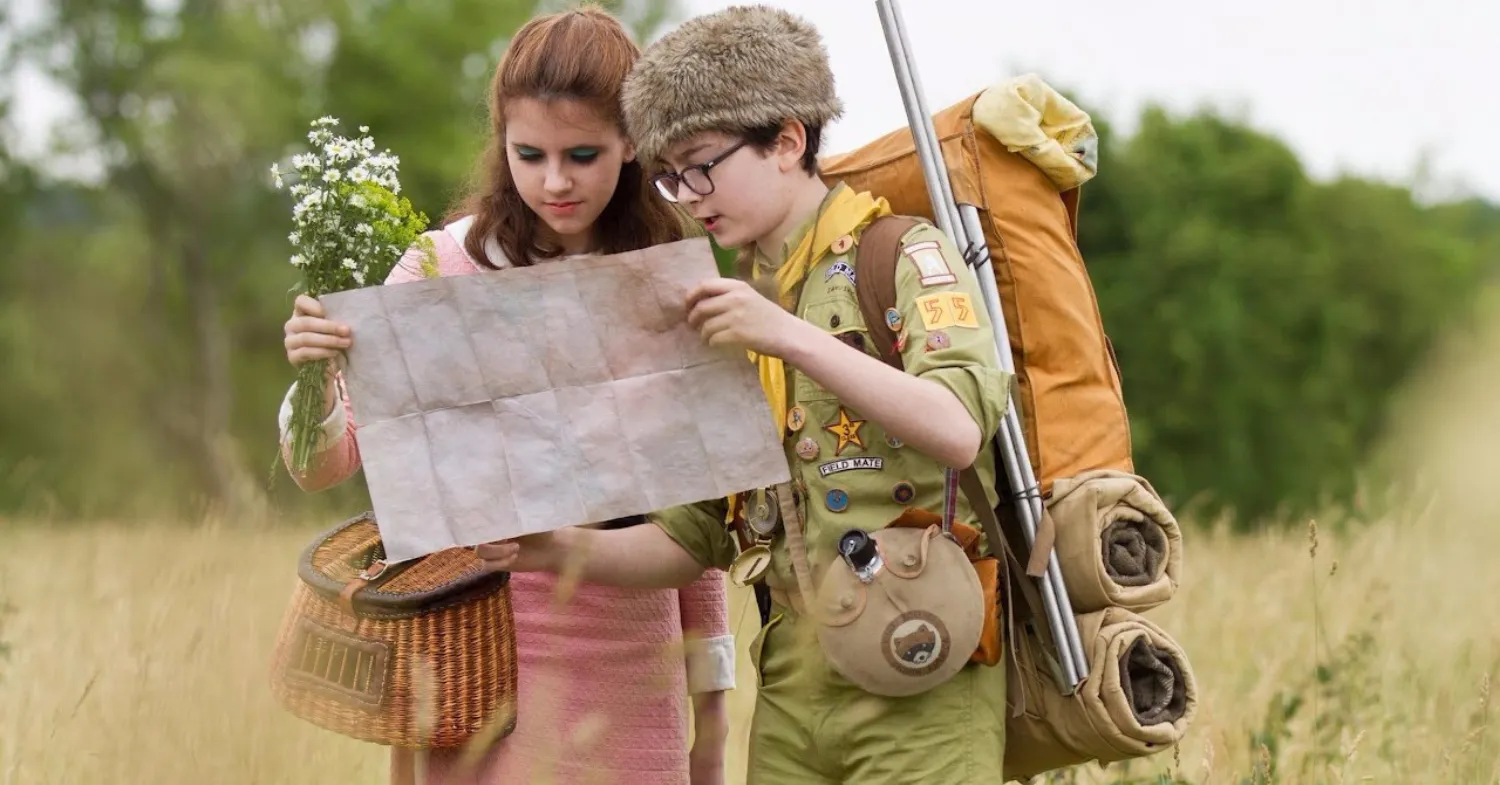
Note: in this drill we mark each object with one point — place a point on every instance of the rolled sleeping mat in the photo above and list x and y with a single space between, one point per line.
1117 543
1138 699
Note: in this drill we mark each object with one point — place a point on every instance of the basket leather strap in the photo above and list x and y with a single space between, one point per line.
346 597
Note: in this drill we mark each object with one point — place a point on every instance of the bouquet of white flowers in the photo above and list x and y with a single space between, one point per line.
350 226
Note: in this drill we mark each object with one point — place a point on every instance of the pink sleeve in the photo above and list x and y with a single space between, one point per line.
705 606
339 458
705 625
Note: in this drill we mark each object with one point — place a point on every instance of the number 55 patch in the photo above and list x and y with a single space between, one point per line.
947 309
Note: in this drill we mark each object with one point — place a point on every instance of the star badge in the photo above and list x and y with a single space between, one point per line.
848 432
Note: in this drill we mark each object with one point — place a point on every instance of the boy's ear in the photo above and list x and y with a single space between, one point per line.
791 143
629 151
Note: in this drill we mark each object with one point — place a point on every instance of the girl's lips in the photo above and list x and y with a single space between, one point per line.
711 223
563 208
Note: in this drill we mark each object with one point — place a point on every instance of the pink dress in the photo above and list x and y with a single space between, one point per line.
603 680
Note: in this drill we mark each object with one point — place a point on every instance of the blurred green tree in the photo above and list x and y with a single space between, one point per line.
150 322
1261 319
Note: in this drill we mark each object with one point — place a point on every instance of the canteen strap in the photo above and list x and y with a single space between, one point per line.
950 500
791 518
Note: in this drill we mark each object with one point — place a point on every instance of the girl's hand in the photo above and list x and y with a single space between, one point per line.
310 337
710 734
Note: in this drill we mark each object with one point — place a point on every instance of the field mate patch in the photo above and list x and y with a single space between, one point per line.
851 465
947 309
932 268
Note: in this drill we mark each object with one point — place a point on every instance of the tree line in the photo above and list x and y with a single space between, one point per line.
1264 320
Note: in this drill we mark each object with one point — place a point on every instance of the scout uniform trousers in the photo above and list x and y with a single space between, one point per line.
813 727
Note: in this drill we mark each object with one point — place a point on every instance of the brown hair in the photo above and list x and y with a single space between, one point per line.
582 55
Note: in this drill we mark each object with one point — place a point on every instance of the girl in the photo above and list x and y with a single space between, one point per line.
561 179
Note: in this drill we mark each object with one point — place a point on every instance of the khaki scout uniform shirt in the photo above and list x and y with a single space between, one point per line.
847 472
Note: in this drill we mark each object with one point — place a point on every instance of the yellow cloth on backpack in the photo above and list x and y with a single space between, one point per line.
1032 119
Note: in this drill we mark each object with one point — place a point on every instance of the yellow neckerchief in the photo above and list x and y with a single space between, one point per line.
841 214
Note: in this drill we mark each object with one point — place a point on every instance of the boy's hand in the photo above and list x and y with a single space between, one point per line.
729 312
528 553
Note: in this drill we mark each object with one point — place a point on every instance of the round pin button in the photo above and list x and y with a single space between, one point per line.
842 245
893 442
893 320
795 419
837 500
903 493
807 449
937 340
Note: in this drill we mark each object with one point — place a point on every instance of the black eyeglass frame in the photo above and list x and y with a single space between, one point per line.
661 181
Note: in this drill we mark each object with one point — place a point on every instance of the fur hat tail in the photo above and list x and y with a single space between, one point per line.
736 69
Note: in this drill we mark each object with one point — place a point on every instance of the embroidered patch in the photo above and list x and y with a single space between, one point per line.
932 268
947 309
840 268
851 465
848 432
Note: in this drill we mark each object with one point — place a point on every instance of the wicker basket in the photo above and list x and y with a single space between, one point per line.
419 654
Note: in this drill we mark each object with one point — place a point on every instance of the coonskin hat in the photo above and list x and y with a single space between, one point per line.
743 67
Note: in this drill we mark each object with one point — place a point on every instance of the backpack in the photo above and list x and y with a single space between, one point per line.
1118 546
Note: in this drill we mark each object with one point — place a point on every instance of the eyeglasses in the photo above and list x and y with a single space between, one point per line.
695 177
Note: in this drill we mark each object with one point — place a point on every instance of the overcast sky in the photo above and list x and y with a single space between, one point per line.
1364 86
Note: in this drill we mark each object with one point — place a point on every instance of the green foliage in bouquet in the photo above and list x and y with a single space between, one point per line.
350 227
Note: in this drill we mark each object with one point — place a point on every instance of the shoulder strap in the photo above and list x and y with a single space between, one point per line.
875 278
875 286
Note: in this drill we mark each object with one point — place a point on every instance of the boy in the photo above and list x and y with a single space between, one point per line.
731 106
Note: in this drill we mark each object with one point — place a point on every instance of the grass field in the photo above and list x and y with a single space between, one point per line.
138 655
138 652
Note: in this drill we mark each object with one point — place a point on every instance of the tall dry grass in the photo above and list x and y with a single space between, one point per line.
139 655
1370 654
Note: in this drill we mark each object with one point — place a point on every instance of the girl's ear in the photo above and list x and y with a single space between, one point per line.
629 151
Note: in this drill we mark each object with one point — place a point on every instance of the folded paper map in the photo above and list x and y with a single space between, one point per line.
524 400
